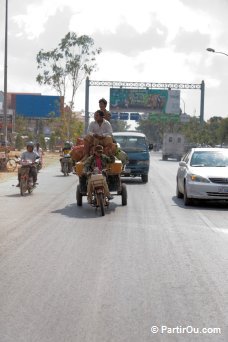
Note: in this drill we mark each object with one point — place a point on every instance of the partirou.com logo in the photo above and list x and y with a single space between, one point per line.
189 329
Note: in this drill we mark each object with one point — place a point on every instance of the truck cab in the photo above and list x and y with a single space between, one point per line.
136 146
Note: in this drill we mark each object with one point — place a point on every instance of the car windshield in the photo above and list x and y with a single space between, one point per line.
131 142
209 159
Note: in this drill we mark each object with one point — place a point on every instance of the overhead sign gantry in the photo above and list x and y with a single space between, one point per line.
143 85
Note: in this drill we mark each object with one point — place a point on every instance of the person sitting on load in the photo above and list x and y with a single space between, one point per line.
99 133
31 156
102 105
98 161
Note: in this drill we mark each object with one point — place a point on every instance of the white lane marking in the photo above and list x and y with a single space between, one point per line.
211 225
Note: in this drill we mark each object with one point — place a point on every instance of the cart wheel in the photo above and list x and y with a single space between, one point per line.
124 194
78 196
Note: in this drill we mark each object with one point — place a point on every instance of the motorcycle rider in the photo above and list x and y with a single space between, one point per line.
32 156
66 150
40 152
99 161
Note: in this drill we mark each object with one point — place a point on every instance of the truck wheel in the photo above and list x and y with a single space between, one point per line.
124 194
144 178
78 196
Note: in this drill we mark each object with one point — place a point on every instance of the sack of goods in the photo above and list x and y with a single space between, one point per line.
97 180
77 153
79 168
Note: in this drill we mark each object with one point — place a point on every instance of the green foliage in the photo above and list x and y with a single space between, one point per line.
69 63
21 125
52 142
223 132
19 143
41 140
119 125
212 132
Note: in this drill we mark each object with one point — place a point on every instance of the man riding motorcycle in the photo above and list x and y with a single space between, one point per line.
31 156
97 161
66 150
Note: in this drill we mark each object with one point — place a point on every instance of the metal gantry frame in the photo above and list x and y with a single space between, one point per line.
142 85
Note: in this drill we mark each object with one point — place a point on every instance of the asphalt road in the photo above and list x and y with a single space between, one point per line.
69 275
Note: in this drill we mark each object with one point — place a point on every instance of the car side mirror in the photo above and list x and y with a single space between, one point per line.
182 163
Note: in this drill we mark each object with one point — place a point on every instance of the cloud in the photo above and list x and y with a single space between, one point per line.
127 40
190 42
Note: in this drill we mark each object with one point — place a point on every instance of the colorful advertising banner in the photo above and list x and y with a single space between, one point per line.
145 100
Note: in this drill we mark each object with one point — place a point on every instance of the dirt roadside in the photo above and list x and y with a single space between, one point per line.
49 158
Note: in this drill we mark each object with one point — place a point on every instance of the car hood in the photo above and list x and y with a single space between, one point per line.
210 172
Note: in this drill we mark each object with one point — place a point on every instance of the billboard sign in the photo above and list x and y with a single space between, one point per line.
145 100
38 106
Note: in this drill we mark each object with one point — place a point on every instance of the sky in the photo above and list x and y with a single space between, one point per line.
141 41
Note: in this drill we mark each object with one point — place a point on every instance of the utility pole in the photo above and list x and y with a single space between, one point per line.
5 76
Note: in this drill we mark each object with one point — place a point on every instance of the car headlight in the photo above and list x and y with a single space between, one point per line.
197 178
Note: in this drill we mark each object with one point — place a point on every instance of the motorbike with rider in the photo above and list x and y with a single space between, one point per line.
27 172
93 166
66 160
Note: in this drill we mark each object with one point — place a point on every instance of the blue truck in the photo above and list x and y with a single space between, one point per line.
137 148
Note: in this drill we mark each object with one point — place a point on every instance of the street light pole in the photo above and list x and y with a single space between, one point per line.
213 50
184 104
5 76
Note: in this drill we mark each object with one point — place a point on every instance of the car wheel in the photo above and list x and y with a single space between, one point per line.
178 193
144 178
187 200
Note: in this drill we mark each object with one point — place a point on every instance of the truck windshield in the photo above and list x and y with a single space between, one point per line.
132 143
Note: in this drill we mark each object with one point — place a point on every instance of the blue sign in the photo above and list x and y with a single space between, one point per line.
134 116
114 116
38 106
124 116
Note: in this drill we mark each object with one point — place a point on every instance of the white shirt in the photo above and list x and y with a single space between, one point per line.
104 129
31 156
39 151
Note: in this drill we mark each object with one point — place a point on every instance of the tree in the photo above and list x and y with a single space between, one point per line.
70 62
19 143
119 125
223 131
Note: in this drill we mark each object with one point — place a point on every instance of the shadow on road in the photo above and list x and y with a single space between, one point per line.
132 180
85 211
202 204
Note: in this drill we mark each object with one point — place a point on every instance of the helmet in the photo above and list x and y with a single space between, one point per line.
67 144
30 143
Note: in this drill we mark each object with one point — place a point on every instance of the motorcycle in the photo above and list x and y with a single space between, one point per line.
66 164
26 180
39 165
99 201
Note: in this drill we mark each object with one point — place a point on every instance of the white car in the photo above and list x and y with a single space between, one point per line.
203 174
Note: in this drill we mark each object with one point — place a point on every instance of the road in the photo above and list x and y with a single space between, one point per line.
70 275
